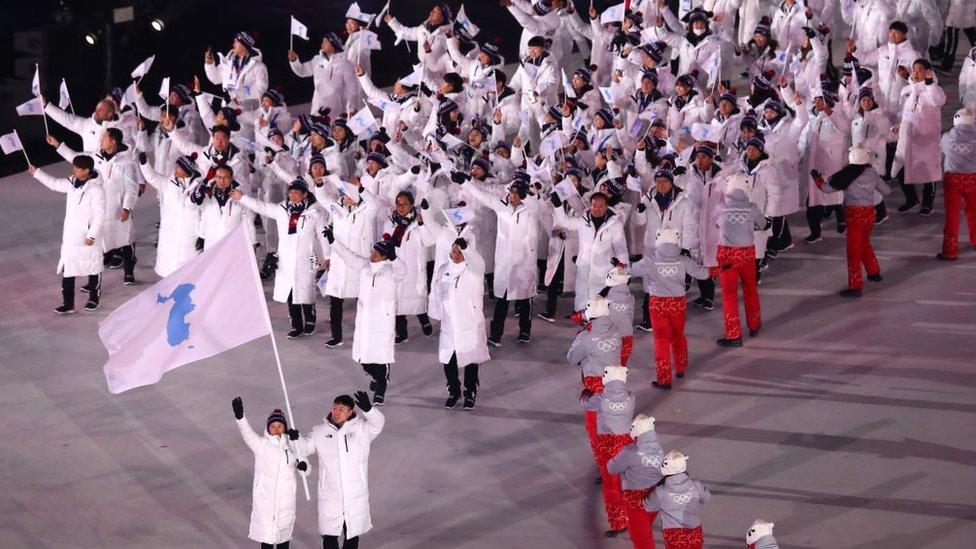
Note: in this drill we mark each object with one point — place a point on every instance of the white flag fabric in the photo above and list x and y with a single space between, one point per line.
143 67
298 29
10 143
466 24
369 40
706 132
565 189
36 82
34 107
129 97
613 14
452 142
458 216
384 11
361 122
552 143
64 98
567 85
607 95
414 78
213 303
358 15
164 89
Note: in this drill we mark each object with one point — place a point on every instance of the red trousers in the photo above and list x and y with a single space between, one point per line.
743 267
627 347
595 384
860 222
608 446
960 188
639 521
668 321
683 538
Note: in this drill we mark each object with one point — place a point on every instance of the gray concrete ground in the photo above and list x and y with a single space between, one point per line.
847 423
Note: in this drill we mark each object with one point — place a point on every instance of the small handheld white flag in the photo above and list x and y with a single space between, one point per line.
143 67
357 14
414 78
466 24
10 143
567 86
298 29
362 122
458 216
706 132
213 303
36 82
613 14
164 89
565 189
452 142
607 95
129 97
34 107
382 13
552 143
369 40
64 98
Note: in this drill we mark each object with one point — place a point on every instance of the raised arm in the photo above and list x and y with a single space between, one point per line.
73 122
154 178
56 184
252 439
261 207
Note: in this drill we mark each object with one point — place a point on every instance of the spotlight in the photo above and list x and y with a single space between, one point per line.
91 38
157 24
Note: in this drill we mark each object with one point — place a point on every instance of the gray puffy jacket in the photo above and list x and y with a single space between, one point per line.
614 409
679 501
596 348
639 464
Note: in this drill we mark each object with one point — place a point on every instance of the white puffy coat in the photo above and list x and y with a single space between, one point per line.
216 220
871 20
596 248
768 194
332 77
919 133
784 151
516 245
967 80
354 228
888 58
460 290
925 22
871 130
179 222
436 61
117 175
274 486
962 14
297 260
247 86
823 147
411 292
84 215
372 342
710 199
343 487
89 130
750 12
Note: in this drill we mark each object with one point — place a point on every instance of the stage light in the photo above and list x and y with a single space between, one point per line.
157 24
91 38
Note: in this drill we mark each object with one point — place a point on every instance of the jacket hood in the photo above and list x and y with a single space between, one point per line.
615 390
667 252
649 443
601 327
679 482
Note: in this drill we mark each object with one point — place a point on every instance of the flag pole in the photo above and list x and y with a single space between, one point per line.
23 149
291 35
274 347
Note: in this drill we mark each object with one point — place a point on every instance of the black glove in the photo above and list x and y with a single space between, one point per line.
199 245
641 207
809 32
461 243
238 405
605 291
142 158
685 252
815 174
434 167
615 262
292 434
328 234
680 170
459 177
424 205
362 400
302 466
415 170
769 223
554 198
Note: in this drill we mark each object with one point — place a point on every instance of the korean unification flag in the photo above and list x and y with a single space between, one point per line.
458 216
552 143
361 122
34 107
368 40
466 24
143 67
565 189
212 304
613 14
706 132
298 29
64 99
607 96
414 78
36 82
10 143
164 89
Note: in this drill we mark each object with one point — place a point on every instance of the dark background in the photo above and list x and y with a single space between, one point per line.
52 33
